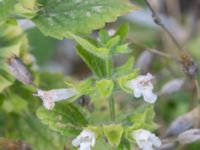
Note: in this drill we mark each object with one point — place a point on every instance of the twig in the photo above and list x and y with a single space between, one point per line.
188 64
151 49
158 21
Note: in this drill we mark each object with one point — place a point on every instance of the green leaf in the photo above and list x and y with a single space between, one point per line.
105 87
100 67
104 36
102 53
64 118
122 49
123 31
113 42
28 4
6 78
144 120
56 18
124 145
14 103
125 68
96 129
27 128
123 81
113 133
85 86
6 7
12 42
141 121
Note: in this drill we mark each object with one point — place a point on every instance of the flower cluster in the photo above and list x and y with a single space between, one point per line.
141 86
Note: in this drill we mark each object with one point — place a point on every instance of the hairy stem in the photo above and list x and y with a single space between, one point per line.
112 108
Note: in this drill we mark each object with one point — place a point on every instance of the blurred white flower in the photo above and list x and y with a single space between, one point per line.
172 86
85 140
25 24
142 85
50 97
145 139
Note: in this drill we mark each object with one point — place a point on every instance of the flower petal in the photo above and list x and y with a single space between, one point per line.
149 96
146 145
76 142
137 92
85 146
155 140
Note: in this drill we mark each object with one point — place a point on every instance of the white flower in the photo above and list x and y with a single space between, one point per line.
85 140
50 97
142 85
145 139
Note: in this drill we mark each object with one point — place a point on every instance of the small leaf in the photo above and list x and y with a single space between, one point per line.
125 68
97 59
57 18
113 42
113 133
122 49
141 121
122 81
124 145
96 129
102 53
64 118
6 7
85 86
105 87
123 31
104 36
96 64
13 42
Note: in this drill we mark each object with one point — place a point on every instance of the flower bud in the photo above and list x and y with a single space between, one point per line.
189 136
19 70
172 86
184 122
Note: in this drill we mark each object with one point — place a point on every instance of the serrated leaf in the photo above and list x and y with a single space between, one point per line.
56 18
64 118
105 87
113 133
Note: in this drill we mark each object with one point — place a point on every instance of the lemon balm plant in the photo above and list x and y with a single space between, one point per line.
75 19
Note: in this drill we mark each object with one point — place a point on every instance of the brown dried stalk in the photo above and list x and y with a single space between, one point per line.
188 64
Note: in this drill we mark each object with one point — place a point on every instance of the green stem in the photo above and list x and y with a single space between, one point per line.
112 108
